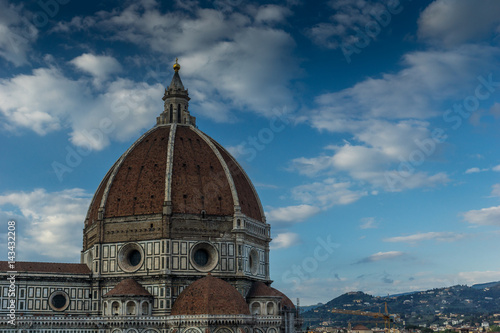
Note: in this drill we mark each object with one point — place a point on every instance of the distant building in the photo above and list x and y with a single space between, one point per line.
361 329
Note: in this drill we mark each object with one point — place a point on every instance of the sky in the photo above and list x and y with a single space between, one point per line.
369 128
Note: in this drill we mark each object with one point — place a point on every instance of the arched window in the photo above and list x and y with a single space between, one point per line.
171 113
270 308
256 308
131 308
145 308
179 114
106 312
115 308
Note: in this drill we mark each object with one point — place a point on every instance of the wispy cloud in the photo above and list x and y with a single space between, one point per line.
415 238
368 223
285 240
390 255
327 193
291 214
495 190
479 276
475 170
347 16
17 33
466 21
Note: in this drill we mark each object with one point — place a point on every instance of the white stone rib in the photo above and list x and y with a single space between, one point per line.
249 182
170 163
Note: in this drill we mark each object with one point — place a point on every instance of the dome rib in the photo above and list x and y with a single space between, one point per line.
249 203
170 163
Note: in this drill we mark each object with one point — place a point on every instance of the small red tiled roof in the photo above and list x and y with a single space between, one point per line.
212 296
260 289
128 287
45 267
360 327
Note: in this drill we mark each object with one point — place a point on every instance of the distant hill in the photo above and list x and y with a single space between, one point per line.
486 285
414 308
310 307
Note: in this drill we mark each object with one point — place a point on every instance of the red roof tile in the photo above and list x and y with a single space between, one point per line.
211 296
128 287
260 289
46 267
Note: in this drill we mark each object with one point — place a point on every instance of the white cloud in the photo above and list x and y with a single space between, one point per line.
368 223
484 216
17 33
496 168
327 193
49 223
51 96
495 190
386 117
291 214
382 256
348 16
285 240
272 13
417 91
438 236
452 22
119 111
377 159
224 56
472 170
98 66
479 276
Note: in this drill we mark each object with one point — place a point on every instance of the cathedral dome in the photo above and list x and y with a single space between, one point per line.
175 169
210 296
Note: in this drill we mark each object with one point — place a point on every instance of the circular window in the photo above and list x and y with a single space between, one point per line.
59 300
201 257
134 258
204 257
130 257
253 261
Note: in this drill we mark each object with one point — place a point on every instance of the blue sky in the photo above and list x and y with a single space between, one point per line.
370 128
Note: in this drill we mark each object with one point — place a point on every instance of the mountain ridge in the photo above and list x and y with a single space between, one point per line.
467 303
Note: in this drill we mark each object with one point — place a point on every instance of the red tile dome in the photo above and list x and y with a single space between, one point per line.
210 296
176 165
260 289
